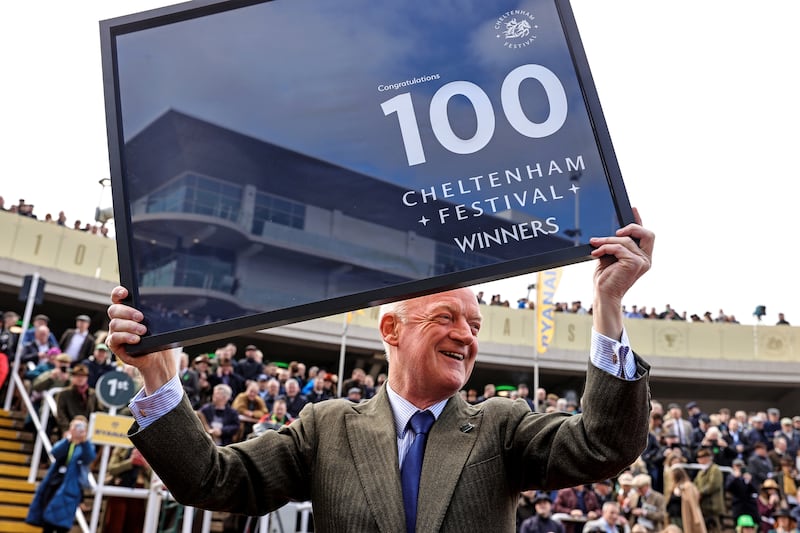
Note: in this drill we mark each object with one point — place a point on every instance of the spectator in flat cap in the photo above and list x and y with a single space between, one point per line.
785 522
99 363
693 413
542 521
791 435
354 394
649 509
77 341
253 363
77 399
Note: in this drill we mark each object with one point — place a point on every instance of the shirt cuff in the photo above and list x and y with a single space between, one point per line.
613 356
147 409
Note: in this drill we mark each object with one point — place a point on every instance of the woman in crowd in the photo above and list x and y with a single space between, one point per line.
61 491
769 501
683 504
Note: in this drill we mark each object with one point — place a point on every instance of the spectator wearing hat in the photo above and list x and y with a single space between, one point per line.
791 435
354 394
743 491
77 341
785 522
649 509
30 333
769 501
709 484
693 413
788 480
44 365
56 376
746 524
99 363
77 399
542 521
201 366
253 363
604 490
626 492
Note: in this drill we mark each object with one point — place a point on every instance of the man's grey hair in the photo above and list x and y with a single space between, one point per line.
224 388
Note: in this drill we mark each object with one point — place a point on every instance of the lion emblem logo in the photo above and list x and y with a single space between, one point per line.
517 29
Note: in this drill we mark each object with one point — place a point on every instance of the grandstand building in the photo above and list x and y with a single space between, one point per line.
717 365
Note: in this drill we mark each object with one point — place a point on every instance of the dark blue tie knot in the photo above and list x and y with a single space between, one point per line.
421 422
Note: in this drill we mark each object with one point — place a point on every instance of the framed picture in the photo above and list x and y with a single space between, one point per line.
276 161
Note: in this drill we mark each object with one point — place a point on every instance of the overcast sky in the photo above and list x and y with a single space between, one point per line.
700 99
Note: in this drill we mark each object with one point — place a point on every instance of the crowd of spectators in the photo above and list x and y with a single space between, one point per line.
25 209
635 311
701 472
735 466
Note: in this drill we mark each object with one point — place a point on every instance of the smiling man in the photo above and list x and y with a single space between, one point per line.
415 457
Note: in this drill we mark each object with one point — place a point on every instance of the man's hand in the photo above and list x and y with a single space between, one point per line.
124 328
621 263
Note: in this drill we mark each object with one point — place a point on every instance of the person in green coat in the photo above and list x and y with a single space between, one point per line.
712 493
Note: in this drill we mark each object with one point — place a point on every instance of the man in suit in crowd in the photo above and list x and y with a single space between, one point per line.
676 424
77 341
348 459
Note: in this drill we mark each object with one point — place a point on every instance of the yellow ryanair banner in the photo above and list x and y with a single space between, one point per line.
110 430
546 285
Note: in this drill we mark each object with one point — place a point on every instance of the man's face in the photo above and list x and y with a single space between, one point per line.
42 334
81 325
292 388
279 409
436 344
79 380
273 387
543 508
100 355
611 514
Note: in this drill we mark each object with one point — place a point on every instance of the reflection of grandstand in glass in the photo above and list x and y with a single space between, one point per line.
225 225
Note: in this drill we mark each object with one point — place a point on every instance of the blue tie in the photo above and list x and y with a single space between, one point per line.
420 424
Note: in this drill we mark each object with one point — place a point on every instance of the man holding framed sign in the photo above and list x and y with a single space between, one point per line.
351 460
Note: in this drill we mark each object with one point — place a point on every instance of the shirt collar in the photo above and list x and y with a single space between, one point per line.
403 410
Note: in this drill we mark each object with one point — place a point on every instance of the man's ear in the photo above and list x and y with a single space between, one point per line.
388 329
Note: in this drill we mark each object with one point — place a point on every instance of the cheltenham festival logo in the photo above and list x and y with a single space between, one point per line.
515 28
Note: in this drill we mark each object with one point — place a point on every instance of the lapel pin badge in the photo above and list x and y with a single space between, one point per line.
466 428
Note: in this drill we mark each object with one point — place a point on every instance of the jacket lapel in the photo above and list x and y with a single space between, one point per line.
373 443
449 445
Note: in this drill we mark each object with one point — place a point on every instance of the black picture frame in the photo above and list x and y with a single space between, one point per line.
183 235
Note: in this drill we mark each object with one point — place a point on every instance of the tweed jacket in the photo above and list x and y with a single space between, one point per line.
343 458
712 493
